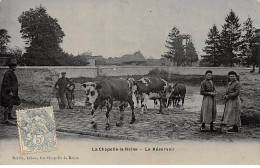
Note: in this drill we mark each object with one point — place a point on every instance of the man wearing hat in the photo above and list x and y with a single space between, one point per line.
9 92
65 91
256 50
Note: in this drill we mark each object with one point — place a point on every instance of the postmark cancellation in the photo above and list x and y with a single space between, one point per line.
36 128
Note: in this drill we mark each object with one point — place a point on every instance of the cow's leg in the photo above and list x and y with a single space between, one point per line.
131 103
173 102
145 107
160 110
121 114
93 121
144 102
138 98
178 101
109 107
163 103
141 100
155 104
169 103
183 101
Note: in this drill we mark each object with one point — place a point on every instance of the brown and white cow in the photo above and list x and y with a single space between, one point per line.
149 88
104 92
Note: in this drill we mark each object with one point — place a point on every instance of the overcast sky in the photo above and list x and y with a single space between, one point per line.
113 28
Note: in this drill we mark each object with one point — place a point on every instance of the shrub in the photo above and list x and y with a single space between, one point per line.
159 73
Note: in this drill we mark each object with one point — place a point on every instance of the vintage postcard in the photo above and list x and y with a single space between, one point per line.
129 82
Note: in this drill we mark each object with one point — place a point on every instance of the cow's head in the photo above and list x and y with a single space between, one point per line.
91 90
169 90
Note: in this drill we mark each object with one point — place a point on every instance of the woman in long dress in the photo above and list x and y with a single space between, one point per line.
208 108
233 103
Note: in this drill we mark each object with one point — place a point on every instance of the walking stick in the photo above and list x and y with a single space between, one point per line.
222 119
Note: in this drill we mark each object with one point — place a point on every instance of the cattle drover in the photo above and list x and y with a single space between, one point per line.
9 92
149 88
65 91
103 93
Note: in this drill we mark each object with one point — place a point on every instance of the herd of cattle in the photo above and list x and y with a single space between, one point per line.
103 93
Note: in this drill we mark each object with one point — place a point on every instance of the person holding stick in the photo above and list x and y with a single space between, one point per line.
65 91
208 108
232 109
9 92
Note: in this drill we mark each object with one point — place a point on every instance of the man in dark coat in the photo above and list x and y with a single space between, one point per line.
9 92
65 91
256 50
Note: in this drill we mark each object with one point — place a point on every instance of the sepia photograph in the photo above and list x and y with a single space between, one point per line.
129 82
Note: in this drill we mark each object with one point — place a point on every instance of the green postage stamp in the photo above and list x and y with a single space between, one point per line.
36 129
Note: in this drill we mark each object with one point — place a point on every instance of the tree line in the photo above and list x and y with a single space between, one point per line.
43 36
228 47
232 45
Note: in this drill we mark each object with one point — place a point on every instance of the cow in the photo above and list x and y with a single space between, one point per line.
149 88
104 92
175 93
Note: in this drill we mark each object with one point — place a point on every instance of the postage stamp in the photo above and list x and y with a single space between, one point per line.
36 128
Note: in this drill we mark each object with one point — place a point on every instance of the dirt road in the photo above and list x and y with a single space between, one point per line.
174 125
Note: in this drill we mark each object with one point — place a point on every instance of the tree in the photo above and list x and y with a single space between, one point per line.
65 59
176 49
43 35
213 49
4 40
191 54
246 46
230 39
17 53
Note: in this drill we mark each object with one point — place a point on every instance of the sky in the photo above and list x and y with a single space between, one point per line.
112 28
